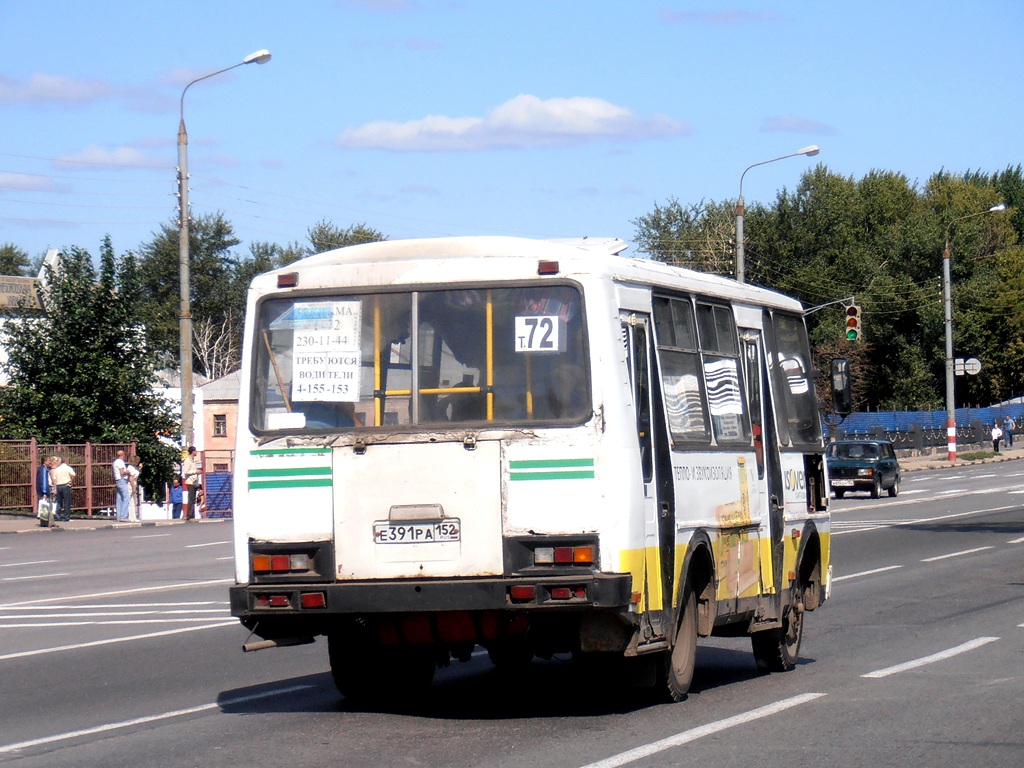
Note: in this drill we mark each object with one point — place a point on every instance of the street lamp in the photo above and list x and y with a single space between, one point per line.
185 314
810 151
947 300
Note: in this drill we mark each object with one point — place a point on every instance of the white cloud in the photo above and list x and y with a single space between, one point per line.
123 157
525 121
31 182
42 88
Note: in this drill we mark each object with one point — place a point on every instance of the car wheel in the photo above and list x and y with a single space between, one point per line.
840 493
894 489
876 489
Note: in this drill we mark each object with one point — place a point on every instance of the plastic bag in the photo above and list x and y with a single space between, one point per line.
45 511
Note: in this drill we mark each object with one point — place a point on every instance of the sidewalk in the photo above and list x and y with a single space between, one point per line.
25 524
938 459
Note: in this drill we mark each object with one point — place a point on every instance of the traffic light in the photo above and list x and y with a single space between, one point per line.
853 323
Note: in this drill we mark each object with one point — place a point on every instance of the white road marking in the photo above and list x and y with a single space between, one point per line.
151 536
1016 541
96 615
40 576
96 643
941 656
27 562
693 734
136 590
100 606
865 573
954 554
207 544
951 516
150 719
119 622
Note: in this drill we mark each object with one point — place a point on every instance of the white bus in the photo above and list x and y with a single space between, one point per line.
534 447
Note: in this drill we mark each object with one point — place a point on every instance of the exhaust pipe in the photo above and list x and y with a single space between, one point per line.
282 642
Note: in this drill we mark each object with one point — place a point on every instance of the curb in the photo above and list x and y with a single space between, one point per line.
30 525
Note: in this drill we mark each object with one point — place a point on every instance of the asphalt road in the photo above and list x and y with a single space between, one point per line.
116 650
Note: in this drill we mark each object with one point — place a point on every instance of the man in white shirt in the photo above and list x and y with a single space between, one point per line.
61 475
122 487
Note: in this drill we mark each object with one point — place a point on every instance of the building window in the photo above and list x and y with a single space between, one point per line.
220 425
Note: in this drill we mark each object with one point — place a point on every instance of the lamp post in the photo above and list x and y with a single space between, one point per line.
185 313
810 151
947 300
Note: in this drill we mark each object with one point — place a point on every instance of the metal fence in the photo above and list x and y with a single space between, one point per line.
92 489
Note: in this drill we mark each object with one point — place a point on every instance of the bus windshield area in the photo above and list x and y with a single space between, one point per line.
436 358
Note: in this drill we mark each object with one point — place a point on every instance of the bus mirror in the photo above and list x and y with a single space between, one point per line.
842 397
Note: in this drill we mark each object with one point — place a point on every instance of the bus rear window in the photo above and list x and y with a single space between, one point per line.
509 354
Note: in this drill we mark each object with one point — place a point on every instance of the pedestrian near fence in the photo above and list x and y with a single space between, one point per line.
61 476
997 435
122 487
44 490
1008 427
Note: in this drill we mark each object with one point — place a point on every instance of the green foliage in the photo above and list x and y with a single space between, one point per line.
880 240
13 260
211 274
324 236
698 236
81 370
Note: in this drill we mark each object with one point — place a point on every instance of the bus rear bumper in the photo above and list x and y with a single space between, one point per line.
254 602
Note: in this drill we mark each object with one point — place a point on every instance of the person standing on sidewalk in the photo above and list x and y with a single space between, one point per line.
122 487
190 474
43 488
997 435
175 496
1008 426
61 476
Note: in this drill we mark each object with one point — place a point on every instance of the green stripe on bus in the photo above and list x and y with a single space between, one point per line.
325 482
563 475
287 451
550 463
289 471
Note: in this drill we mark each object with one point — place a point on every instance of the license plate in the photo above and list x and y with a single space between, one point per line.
842 483
426 532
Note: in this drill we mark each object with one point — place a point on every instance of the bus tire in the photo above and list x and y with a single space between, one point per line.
509 655
363 669
777 650
679 663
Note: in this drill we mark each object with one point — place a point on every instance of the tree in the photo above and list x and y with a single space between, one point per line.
699 236
13 260
216 346
211 238
324 236
879 240
81 369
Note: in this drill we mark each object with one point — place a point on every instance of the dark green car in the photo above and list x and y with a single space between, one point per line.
863 465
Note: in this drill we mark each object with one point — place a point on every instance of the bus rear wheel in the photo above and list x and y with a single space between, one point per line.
777 650
365 670
679 663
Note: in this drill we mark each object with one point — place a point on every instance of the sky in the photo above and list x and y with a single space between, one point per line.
429 118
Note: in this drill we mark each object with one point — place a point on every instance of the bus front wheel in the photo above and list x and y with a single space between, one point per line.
680 661
777 650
